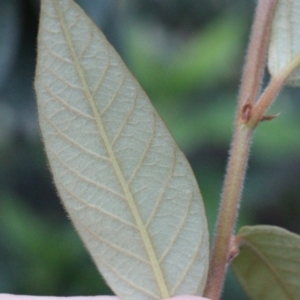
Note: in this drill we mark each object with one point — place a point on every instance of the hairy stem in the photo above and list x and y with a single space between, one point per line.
256 53
238 159
269 95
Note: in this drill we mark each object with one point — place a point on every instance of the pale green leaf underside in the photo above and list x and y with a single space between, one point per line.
127 187
285 39
268 266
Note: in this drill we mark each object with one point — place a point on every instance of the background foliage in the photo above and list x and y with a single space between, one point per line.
188 56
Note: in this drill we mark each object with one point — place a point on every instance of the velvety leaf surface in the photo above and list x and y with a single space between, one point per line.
128 189
268 266
285 38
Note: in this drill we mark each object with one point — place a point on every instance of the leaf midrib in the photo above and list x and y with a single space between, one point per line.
134 210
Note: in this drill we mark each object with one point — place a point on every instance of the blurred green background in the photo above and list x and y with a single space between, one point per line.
188 56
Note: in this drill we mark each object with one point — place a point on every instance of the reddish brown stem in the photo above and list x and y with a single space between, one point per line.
258 112
256 53
252 76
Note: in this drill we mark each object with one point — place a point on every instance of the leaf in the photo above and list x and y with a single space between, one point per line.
128 189
268 266
285 39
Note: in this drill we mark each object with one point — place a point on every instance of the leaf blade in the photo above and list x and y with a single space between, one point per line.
103 139
285 39
268 266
